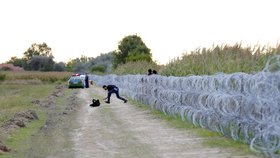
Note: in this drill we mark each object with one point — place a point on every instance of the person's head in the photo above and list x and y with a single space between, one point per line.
105 87
150 71
154 72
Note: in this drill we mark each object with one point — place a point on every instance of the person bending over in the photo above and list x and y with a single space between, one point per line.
112 89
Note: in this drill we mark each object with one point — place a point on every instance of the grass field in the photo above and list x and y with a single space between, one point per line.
46 77
19 89
18 97
19 92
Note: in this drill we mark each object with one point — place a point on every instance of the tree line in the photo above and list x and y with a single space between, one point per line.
39 57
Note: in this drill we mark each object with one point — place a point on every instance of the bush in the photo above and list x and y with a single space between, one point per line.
2 77
98 68
59 66
6 69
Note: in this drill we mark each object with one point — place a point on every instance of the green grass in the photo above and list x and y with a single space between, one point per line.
17 97
32 141
56 138
2 76
20 141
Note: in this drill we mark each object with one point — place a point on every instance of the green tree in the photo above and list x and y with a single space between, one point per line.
79 64
104 60
36 50
131 48
21 62
39 57
59 66
41 63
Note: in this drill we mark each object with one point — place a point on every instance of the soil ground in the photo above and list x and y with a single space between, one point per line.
120 130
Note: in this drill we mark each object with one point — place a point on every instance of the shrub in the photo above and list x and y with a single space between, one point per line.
6 69
98 68
2 77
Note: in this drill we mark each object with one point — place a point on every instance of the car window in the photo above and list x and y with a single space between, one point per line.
75 78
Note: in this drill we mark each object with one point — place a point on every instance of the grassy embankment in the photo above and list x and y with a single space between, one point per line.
18 90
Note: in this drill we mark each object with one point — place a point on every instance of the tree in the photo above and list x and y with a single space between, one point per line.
39 57
131 48
103 60
41 63
38 49
18 62
59 66
80 65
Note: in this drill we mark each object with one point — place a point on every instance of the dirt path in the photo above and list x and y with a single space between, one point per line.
119 130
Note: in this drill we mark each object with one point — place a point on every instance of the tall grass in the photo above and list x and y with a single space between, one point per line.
49 77
208 61
224 58
139 67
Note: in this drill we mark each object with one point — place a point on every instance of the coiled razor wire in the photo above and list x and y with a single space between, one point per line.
242 106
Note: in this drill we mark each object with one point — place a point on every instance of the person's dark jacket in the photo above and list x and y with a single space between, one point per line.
111 87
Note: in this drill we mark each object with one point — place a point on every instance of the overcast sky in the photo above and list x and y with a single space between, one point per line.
168 27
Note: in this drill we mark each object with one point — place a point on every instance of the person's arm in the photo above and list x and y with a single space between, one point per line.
106 97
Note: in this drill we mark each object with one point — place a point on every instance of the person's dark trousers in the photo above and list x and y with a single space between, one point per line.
87 84
117 94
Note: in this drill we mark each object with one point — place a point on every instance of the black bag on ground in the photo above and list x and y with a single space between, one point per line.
95 103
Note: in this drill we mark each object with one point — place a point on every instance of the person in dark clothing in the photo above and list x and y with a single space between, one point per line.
154 71
86 81
150 72
112 89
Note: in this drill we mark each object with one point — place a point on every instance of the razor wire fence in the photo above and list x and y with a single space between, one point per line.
245 107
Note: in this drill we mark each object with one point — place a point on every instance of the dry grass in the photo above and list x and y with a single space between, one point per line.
139 67
225 58
208 61
49 77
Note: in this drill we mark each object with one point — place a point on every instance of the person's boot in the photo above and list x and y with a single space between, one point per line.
125 101
107 102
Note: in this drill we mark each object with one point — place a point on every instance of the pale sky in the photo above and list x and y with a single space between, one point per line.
168 27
